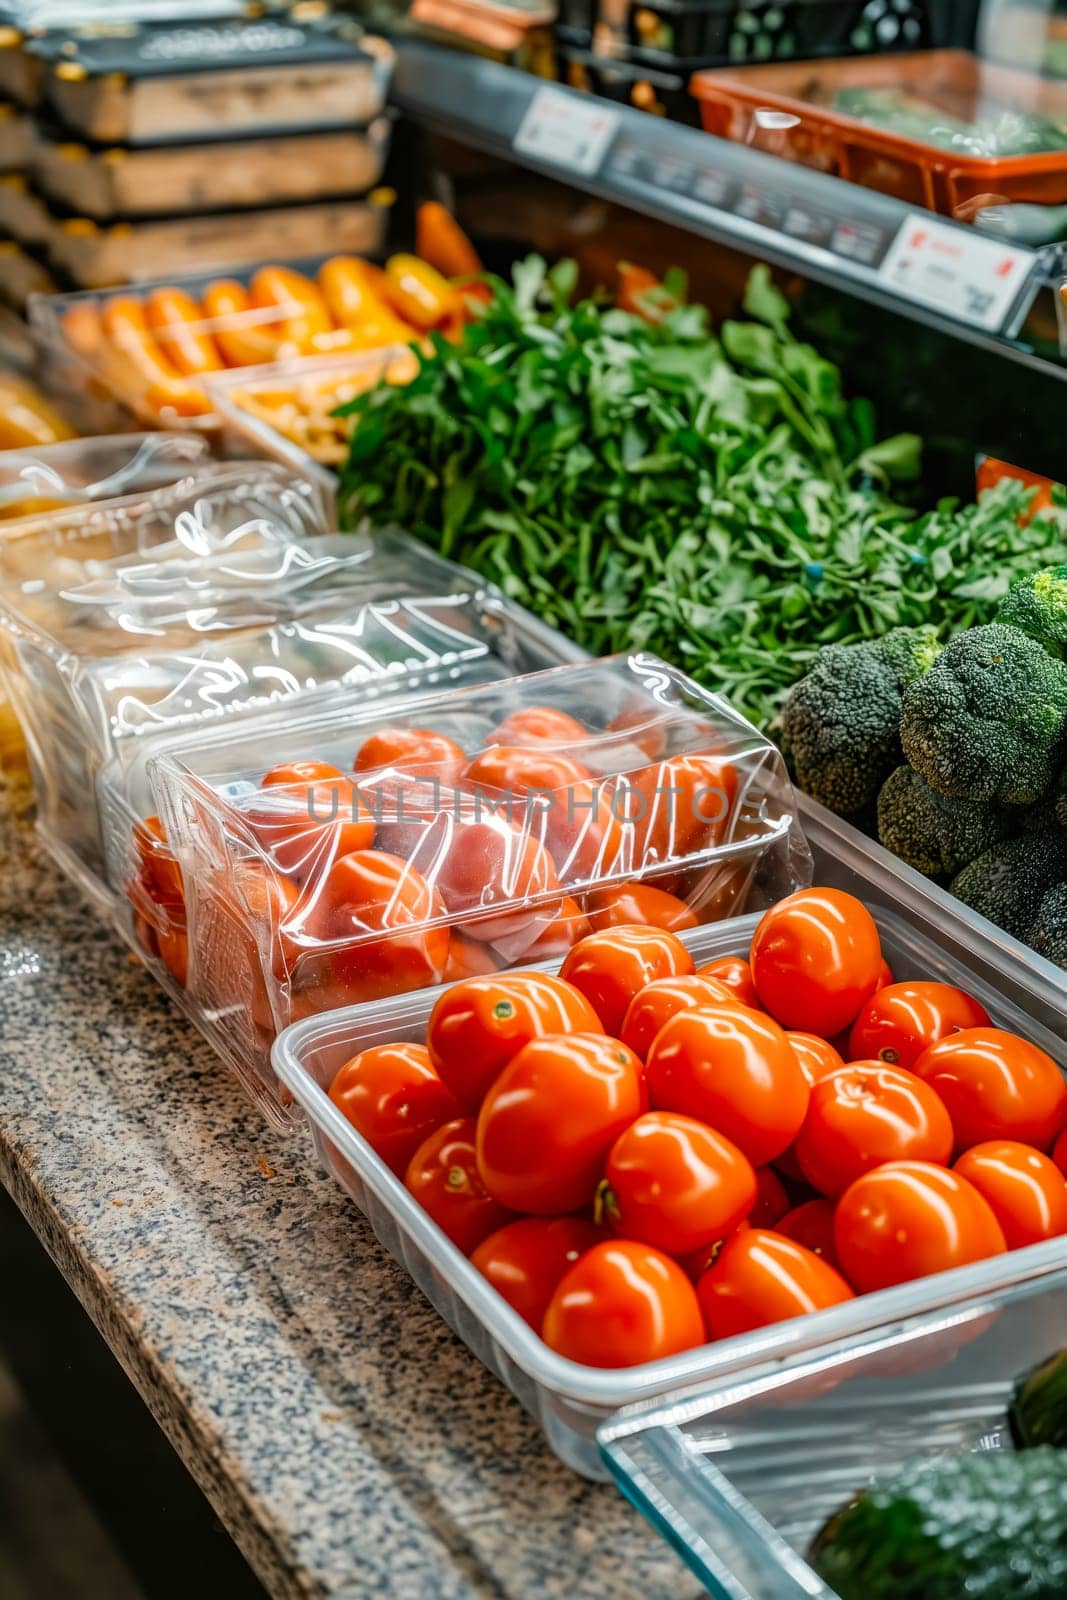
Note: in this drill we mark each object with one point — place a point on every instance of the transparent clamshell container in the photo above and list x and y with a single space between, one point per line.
740 1475
86 590
572 1401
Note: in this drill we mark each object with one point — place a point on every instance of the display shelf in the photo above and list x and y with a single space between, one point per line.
943 274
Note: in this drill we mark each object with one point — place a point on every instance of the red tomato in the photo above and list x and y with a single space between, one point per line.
305 829
444 1178
996 1085
812 1225
478 1026
267 905
662 999
900 1021
696 1262
1026 1191
1059 1152
516 769
173 943
158 866
736 973
416 752
468 958
817 1056
639 904
676 1184
772 1200
393 1097
678 806
531 725
733 1069
291 773
623 1304
584 836
526 1260
816 959
866 1114
551 1117
393 916
910 1218
885 975
610 967
643 726
560 934
477 866
762 1277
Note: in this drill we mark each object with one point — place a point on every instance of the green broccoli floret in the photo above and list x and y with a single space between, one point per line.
1008 882
840 723
932 833
989 718
1038 605
1047 934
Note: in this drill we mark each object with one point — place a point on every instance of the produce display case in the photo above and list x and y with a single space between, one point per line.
572 1401
741 1475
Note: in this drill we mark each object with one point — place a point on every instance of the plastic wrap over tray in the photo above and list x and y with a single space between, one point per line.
460 832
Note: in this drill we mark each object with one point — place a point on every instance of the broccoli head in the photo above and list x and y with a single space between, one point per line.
988 719
931 832
1048 931
840 723
1008 882
1038 605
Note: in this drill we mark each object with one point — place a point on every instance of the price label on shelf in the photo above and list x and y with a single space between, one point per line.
959 271
567 130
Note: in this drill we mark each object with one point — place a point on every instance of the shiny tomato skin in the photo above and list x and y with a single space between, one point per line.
516 769
812 1225
772 1199
996 1085
660 1000
762 1277
1059 1152
533 725
639 905
291 774
550 1118
468 958
416 752
173 943
584 837
907 1219
395 918
621 1305
679 806
900 1021
1026 1190
525 1260
885 975
676 1184
560 933
159 869
306 828
696 1262
817 1056
487 865
736 973
443 1176
816 959
478 1026
267 905
867 1114
733 1069
610 967
393 1097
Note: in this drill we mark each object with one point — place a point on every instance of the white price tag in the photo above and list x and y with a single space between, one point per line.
956 270
567 130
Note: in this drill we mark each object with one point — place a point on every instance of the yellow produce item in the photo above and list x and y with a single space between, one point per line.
305 309
26 417
418 292
172 315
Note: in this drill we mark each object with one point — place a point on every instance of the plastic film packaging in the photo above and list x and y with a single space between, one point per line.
466 831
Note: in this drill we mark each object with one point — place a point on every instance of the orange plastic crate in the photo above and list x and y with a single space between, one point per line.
787 110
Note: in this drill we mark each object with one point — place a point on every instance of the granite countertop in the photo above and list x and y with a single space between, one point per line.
349 1442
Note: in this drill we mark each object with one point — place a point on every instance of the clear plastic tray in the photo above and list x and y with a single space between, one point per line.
739 1477
81 470
285 410
571 1401
461 850
243 336
103 608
